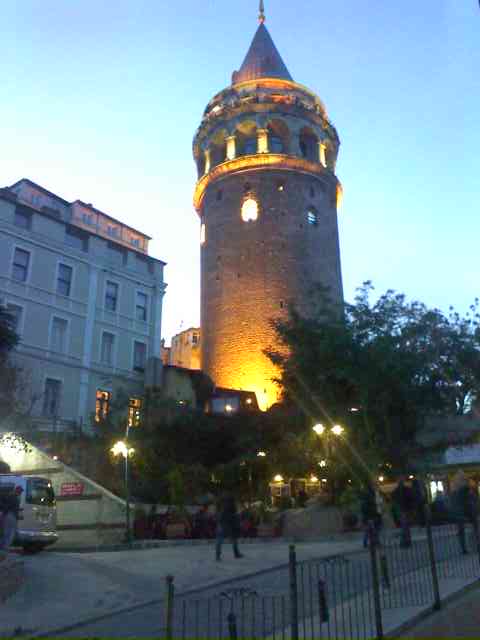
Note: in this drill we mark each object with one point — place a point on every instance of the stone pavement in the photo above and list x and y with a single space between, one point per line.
63 589
458 619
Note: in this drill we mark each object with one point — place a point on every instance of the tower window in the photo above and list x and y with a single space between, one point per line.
250 146
312 217
203 233
249 210
276 144
281 186
312 192
246 187
219 195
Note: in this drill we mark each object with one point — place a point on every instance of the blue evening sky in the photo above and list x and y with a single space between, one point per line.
100 101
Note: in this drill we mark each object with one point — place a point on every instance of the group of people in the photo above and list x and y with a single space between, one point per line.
409 505
9 511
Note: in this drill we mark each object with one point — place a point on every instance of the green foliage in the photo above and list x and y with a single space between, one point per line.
395 362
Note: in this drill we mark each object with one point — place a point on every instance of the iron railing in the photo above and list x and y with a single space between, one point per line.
348 596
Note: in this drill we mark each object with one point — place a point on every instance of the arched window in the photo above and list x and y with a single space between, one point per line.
249 210
275 144
250 146
312 216
309 145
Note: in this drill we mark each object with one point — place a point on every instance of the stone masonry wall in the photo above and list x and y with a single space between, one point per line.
251 270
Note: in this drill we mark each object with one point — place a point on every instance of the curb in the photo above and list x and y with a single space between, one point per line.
430 611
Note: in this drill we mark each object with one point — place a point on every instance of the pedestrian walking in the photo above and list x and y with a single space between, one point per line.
402 497
228 525
464 501
9 510
370 505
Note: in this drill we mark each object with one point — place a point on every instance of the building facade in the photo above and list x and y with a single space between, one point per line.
267 197
185 349
87 302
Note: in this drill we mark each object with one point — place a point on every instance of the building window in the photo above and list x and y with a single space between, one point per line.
195 338
219 195
23 218
250 147
141 306
113 231
64 280
134 412
249 210
117 254
111 296
106 351
139 356
15 312
21 262
312 217
276 144
102 404
76 238
51 398
58 341
87 218
203 233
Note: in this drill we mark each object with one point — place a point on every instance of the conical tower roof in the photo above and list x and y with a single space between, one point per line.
262 60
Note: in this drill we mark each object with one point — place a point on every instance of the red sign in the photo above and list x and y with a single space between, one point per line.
72 489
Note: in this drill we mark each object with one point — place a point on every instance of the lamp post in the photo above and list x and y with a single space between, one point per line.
121 448
329 435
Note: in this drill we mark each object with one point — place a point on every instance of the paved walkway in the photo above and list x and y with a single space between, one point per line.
459 619
62 589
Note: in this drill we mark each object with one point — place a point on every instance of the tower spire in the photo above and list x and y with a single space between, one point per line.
261 15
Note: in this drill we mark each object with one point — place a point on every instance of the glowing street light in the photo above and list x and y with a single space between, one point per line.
278 478
121 448
322 463
337 430
261 454
319 429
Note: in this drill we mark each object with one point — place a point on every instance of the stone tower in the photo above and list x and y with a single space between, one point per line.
267 199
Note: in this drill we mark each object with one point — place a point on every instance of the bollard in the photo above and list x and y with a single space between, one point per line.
170 588
292 563
322 601
232 626
375 582
384 570
433 564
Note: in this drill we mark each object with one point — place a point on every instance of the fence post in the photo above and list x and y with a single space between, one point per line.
170 588
232 626
292 563
437 602
322 601
372 534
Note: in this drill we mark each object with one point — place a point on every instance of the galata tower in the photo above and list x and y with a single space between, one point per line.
267 199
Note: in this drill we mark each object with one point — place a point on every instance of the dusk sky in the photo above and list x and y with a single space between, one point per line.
100 101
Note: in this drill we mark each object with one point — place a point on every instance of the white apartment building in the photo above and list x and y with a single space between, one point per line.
87 302
185 350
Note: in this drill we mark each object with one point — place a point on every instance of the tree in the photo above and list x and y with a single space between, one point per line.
380 369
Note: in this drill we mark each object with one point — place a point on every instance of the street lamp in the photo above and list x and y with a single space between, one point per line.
321 431
121 448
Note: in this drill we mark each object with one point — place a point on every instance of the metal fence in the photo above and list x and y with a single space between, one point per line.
348 596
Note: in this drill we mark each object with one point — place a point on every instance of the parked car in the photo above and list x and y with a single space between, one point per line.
37 521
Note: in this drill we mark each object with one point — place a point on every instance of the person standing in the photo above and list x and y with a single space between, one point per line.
419 501
402 498
228 525
371 513
464 506
9 507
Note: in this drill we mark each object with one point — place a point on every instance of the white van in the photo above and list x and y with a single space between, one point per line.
37 521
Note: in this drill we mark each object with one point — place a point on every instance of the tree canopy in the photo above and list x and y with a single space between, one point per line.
378 368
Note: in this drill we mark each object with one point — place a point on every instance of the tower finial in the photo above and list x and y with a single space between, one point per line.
261 16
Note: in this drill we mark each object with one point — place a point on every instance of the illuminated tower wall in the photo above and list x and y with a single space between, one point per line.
267 199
